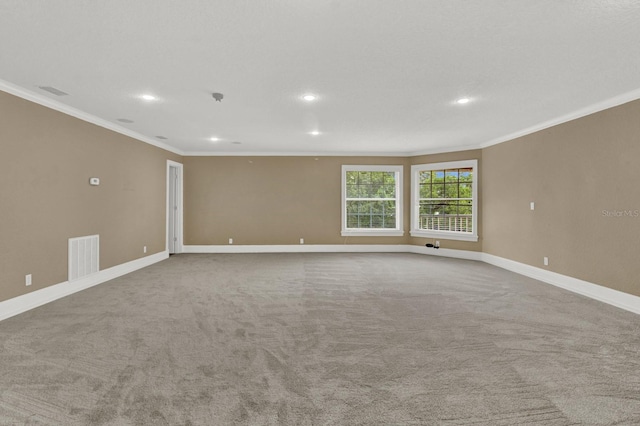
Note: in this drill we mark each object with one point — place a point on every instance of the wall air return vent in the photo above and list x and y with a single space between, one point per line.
84 256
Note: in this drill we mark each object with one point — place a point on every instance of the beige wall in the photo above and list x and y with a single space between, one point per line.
574 172
46 161
271 200
278 200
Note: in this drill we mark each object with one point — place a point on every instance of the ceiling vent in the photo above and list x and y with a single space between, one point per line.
125 120
53 90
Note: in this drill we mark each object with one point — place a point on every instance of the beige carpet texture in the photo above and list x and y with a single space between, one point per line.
321 339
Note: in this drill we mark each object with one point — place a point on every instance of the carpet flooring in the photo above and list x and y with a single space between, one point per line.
321 339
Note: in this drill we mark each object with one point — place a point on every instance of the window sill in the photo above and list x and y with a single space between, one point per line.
445 235
373 233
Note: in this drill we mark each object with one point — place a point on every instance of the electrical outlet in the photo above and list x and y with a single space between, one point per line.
27 279
230 240
144 249
545 260
301 240
532 205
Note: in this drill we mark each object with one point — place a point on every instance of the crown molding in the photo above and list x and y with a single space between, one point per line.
58 106
443 150
583 112
293 154
20 92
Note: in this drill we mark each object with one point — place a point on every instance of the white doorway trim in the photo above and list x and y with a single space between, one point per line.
174 240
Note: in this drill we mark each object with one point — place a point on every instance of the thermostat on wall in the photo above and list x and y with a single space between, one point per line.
94 181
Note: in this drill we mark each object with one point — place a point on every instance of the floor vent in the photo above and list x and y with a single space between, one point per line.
84 255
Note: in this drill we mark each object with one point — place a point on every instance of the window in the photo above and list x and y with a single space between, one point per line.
444 200
372 200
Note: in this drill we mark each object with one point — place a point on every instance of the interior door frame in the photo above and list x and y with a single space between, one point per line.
178 247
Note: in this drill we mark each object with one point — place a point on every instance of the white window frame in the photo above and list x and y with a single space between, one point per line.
390 232
415 201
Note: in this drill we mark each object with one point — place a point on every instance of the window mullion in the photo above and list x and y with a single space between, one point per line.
451 213
360 185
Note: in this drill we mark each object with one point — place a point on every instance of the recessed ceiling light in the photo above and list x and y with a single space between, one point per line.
309 97
214 139
148 97
463 101
314 133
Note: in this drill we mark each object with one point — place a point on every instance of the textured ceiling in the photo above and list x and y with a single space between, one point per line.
387 73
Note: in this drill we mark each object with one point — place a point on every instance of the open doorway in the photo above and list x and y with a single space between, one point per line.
174 207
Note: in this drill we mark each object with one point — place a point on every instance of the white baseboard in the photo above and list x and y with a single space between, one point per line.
616 298
334 248
443 252
302 248
20 304
622 300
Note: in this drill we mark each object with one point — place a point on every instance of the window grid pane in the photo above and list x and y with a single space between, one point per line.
376 185
446 200
370 200
371 214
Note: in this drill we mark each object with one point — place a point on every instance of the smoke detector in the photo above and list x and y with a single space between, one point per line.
217 96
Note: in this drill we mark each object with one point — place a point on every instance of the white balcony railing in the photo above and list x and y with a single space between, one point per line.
443 222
